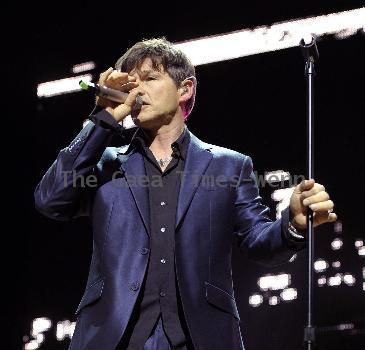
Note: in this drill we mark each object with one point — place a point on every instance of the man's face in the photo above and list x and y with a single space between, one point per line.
159 94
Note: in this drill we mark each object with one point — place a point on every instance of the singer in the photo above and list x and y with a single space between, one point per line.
160 275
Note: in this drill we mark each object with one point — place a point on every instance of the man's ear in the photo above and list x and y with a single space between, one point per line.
186 90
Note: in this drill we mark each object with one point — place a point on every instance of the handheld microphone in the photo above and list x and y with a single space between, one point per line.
110 94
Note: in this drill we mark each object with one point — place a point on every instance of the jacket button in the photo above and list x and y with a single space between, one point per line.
134 286
144 251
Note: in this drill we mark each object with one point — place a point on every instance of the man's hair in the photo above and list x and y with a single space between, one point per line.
162 53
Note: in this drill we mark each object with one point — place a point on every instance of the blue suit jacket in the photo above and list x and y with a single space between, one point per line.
209 216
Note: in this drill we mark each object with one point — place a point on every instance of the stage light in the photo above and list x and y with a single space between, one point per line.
40 325
321 281
349 279
32 345
62 86
338 226
255 300
283 35
361 251
274 300
65 329
336 264
336 244
289 294
334 280
359 243
83 67
320 265
345 326
274 282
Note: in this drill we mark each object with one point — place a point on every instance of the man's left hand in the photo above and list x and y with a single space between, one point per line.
313 195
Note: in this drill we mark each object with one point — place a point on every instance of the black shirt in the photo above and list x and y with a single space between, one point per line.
159 295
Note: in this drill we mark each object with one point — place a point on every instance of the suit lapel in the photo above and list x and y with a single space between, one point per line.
132 166
198 158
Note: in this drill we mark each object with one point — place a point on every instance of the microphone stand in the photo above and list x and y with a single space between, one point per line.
311 56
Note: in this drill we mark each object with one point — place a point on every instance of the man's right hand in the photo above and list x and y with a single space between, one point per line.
122 82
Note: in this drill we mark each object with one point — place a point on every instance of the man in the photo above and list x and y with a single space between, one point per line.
165 209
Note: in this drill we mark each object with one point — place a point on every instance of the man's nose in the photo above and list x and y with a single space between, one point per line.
141 86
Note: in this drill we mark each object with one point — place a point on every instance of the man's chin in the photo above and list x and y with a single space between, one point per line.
143 121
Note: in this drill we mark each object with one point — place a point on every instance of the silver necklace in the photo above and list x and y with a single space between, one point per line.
164 161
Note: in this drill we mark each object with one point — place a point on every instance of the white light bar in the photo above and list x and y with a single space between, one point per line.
83 67
62 86
268 38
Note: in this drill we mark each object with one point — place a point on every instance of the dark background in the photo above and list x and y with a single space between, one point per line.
260 111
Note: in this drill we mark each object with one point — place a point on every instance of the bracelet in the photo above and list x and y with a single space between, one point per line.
293 231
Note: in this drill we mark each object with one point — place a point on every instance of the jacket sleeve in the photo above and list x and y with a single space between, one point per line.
65 191
267 242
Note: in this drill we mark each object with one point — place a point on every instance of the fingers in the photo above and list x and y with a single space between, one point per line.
323 217
306 185
126 108
117 80
104 76
322 206
131 99
316 188
310 198
128 86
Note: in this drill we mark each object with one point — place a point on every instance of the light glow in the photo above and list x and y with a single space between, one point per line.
274 300
349 279
336 244
359 243
269 38
65 329
320 265
322 281
334 280
274 282
361 251
336 264
289 294
83 67
40 325
255 300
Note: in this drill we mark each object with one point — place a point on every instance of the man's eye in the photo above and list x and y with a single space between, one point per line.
151 78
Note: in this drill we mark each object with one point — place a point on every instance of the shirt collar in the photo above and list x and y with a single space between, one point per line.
180 145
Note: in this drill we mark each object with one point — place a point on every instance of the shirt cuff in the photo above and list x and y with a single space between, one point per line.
294 238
